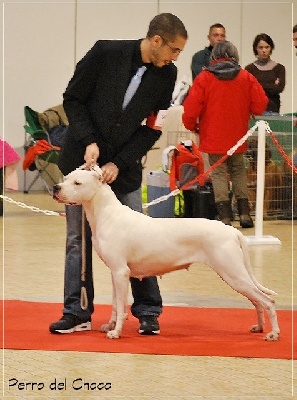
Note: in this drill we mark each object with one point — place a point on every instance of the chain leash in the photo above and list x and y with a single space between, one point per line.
32 208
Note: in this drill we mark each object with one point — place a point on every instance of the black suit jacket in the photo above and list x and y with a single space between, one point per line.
93 104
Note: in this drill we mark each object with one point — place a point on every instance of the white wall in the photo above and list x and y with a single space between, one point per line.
43 40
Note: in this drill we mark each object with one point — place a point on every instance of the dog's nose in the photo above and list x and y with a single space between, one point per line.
56 188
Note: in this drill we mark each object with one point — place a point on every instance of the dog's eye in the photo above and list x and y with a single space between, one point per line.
77 183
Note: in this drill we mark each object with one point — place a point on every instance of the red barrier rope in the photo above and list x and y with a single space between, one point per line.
282 152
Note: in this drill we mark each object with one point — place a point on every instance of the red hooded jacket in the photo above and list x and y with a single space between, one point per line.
222 99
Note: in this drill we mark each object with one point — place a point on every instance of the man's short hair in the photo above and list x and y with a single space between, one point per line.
224 49
295 28
217 25
168 26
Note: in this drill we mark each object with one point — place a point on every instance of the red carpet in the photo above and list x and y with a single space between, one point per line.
184 331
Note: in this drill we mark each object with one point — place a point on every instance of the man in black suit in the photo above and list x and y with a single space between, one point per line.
102 130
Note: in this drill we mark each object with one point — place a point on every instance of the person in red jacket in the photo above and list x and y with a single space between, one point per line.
220 103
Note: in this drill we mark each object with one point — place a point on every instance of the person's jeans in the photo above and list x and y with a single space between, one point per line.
146 293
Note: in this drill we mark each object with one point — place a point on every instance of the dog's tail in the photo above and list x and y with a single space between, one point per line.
247 263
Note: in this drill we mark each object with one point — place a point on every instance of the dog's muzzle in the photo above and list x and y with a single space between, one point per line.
56 190
56 195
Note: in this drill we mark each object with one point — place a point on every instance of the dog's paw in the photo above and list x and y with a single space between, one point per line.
107 327
256 329
272 337
113 334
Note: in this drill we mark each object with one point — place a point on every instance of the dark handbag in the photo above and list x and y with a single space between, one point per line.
200 202
57 134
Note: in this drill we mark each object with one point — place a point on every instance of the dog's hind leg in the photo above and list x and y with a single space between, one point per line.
234 268
259 328
262 302
120 281
274 334
244 285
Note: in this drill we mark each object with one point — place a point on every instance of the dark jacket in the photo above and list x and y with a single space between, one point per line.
93 104
199 60
267 80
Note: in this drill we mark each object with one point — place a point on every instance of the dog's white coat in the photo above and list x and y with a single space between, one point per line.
133 244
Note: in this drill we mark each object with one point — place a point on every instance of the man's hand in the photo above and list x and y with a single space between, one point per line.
91 155
110 172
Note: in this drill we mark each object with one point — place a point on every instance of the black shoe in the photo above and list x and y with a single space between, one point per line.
246 221
149 325
70 323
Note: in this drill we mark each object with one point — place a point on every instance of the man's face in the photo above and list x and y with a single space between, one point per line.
163 52
216 35
295 39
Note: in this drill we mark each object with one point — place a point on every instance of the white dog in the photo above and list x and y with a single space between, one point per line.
133 244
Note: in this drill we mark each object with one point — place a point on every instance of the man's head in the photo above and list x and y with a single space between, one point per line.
224 49
217 33
295 35
165 39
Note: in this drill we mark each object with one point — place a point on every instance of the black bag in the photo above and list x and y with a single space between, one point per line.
57 134
200 202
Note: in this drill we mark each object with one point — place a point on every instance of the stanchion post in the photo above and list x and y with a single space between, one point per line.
259 238
260 178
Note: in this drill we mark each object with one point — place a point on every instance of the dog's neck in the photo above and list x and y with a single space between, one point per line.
103 205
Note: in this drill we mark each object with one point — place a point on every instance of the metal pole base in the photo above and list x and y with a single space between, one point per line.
254 240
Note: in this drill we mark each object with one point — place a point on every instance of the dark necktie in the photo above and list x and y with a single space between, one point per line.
133 85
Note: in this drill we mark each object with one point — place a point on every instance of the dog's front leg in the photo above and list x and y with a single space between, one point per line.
113 318
120 280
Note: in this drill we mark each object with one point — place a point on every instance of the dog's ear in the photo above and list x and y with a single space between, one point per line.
97 172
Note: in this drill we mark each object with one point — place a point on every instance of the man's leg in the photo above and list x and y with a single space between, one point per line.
74 317
239 184
220 183
147 305
238 176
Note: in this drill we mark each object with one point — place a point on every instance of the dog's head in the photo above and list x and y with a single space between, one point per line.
79 186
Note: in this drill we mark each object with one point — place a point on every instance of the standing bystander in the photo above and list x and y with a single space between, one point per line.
200 60
270 74
220 102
